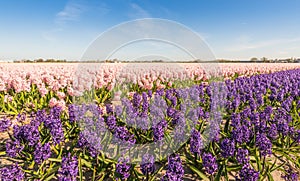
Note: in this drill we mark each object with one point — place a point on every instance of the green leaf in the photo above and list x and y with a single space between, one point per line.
87 163
54 159
198 172
80 168
218 177
2 153
50 177
14 111
258 162
233 168
270 177
50 173
275 168
289 158
151 178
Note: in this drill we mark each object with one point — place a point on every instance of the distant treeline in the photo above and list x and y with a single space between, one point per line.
39 61
253 60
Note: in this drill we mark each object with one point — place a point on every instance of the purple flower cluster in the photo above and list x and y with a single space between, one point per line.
157 109
248 174
296 136
84 144
242 134
175 170
227 148
242 156
12 173
109 108
272 131
291 175
170 96
5 124
29 133
264 144
42 152
210 164
196 143
147 164
159 130
145 104
123 168
69 168
118 110
56 129
111 122
283 127
13 148
73 111
54 124
124 135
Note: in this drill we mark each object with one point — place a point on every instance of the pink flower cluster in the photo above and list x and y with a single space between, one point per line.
76 78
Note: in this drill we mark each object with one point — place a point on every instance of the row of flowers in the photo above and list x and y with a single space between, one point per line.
243 129
36 86
54 77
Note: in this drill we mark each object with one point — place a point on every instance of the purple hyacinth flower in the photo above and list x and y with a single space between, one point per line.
242 156
227 148
136 100
123 168
175 170
118 110
145 103
28 133
160 92
109 108
248 174
149 93
69 168
264 144
209 163
290 175
83 143
159 130
73 110
5 124
42 152
13 148
12 173
241 134
124 135
196 143
171 112
272 131
54 124
147 164
111 122
283 127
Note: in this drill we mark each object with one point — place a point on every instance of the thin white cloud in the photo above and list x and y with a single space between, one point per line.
71 12
244 43
138 12
74 10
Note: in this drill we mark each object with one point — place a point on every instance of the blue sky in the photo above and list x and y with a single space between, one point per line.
233 29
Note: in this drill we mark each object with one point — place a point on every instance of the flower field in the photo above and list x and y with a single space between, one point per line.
150 121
